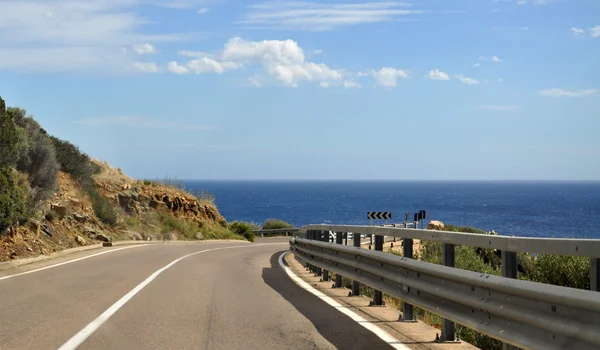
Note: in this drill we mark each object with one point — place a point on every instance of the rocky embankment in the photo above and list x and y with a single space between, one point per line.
69 218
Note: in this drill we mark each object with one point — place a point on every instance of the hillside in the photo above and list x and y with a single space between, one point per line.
54 197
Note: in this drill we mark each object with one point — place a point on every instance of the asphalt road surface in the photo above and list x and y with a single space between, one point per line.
230 296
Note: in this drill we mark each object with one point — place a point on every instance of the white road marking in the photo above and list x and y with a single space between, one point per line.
88 330
383 335
68 262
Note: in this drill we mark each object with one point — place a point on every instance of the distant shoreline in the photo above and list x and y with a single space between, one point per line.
405 181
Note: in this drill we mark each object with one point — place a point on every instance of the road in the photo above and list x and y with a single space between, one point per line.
227 295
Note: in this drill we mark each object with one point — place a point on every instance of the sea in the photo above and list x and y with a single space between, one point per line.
529 209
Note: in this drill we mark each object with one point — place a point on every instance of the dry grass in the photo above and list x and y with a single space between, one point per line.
110 174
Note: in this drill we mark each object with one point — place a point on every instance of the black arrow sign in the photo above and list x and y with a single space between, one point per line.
379 215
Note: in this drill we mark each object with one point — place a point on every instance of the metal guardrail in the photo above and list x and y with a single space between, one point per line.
277 232
522 314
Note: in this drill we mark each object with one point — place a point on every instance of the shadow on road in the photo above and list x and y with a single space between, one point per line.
337 328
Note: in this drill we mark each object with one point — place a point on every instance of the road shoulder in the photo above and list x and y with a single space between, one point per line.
416 335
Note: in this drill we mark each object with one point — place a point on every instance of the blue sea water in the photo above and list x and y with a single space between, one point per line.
534 209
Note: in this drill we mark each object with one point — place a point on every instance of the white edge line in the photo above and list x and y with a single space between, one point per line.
93 326
69 262
383 335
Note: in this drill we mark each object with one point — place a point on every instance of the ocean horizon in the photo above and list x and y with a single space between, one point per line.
529 208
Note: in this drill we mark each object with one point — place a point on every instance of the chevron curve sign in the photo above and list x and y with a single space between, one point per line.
381 215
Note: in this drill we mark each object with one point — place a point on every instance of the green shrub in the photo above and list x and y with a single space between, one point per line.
215 231
13 139
243 229
51 216
132 221
74 162
9 137
12 205
38 158
273 224
171 223
103 209
567 271
465 229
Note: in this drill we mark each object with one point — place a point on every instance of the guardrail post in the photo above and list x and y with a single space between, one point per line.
338 278
317 237
595 274
448 256
378 296
311 236
325 238
510 269
407 313
345 238
356 284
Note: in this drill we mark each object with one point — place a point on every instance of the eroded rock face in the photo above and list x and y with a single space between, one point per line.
79 240
435 225
136 201
61 210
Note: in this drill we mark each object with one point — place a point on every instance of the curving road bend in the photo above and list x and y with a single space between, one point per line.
226 295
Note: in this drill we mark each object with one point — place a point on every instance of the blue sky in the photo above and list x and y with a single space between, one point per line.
219 89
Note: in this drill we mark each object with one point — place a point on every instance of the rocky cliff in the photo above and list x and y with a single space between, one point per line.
69 219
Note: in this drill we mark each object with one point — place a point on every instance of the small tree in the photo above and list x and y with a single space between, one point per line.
39 160
9 138
243 229
12 206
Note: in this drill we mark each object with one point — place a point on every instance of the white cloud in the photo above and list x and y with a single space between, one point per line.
139 122
351 84
567 93
178 4
255 82
318 52
493 58
466 80
436 74
144 49
148 67
500 80
195 54
176 68
388 76
594 31
208 65
313 16
477 65
498 107
283 60
203 10
72 35
577 31
533 2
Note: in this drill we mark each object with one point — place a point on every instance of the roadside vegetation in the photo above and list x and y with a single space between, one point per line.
274 224
565 271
